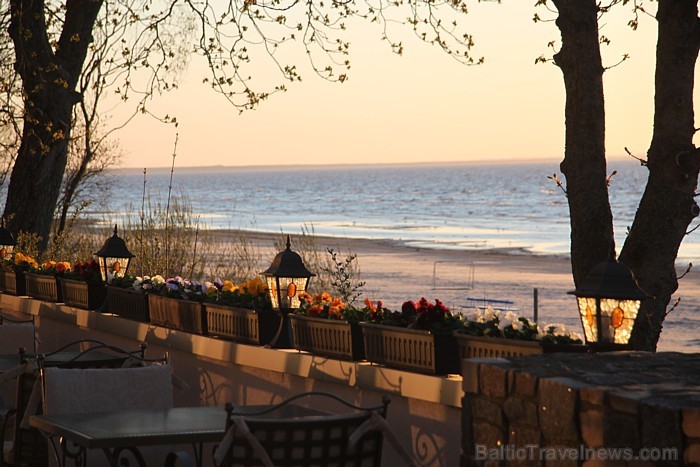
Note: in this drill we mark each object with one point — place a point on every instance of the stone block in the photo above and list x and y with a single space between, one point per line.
520 410
661 425
523 384
558 410
493 381
592 428
470 376
523 436
626 401
691 455
594 395
488 435
484 410
601 463
691 422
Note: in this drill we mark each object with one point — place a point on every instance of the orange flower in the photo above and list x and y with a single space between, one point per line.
336 308
48 265
62 267
314 310
370 305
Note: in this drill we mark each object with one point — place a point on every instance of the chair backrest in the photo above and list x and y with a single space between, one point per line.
72 390
268 438
29 446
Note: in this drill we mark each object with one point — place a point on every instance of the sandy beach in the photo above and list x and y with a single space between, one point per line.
395 273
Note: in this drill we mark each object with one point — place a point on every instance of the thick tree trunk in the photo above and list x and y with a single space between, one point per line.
667 206
584 164
48 81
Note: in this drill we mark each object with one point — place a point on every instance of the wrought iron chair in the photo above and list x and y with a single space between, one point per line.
268 438
13 338
27 447
100 390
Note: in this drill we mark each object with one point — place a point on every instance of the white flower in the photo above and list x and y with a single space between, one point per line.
157 279
490 314
475 316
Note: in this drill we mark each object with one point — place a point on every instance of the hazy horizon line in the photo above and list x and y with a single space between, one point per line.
203 168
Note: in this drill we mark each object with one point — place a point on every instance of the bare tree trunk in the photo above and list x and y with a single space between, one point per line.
667 206
48 81
584 163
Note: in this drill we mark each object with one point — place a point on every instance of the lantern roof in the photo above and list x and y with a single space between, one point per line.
288 264
6 237
114 247
610 279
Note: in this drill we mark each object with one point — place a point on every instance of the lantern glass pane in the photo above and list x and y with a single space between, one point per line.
621 334
587 310
112 267
279 287
273 291
8 249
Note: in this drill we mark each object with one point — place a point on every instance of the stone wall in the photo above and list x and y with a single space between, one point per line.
561 409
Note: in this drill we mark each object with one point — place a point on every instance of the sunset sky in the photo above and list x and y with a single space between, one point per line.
419 107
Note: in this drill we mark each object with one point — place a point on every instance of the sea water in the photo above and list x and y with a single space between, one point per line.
452 206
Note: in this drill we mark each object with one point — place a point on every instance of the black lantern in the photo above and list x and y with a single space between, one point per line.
608 302
7 241
287 278
113 258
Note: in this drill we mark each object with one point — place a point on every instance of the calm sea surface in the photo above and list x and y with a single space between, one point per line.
442 206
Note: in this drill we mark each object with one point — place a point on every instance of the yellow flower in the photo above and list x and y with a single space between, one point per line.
229 286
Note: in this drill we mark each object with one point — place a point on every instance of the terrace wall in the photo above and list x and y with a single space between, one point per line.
425 411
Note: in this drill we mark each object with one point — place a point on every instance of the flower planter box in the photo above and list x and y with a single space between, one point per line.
410 349
42 287
491 347
241 324
13 282
83 295
328 337
487 347
185 315
128 304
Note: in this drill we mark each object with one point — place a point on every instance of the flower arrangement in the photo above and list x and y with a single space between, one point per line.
18 262
417 315
176 287
87 272
324 305
52 268
251 294
489 322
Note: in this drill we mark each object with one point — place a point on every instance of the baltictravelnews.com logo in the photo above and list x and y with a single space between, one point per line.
533 452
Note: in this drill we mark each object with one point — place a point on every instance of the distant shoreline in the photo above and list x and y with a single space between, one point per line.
212 168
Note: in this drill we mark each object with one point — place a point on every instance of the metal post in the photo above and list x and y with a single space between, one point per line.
535 311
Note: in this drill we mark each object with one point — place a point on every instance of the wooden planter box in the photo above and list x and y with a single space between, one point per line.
82 294
42 287
128 303
328 337
410 349
13 282
185 315
493 347
487 347
241 324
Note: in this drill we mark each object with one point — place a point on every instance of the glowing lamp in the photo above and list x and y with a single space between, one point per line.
608 302
287 278
114 258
